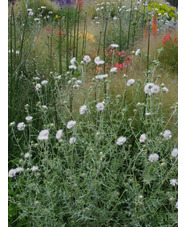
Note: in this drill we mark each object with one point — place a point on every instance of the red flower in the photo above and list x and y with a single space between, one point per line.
47 29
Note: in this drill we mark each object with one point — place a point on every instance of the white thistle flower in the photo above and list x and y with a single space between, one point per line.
115 18
165 89
100 106
137 52
167 134
71 124
114 45
153 157
36 78
155 89
147 114
130 82
148 87
44 107
43 7
27 155
12 173
72 61
98 61
142 138
114 70
72 140
121 140
28 118
174 182
43 135
87 59
21 126
59 134
174 152
100 77
17 52
19 169
34 168
44 82
72 67
37 87
12 123
82 110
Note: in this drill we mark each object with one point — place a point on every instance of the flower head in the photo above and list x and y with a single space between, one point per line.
27 155
167 134
148 87
130 82
73 60
114 70
100 77
100 106
121 140
71 124
98 61
114 45
19 169
28 118
43 135
44 82
153 157
72 140
174 182
21 126
83 109
34 168
174 152
37 87
142 138
137 52
59 134
87 59
155 89
12 173
72 67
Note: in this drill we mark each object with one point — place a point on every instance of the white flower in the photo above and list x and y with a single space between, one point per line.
28 118
114 69
174 152
72 140
21 126
137 52
34 168
72 67
115 18
100 106
165 89
130 82
36 19
44 107
44 82
174 182
121 140
43 135
12 173
17 52
37 87
167 134
114 45
71 124
36 78
87 59
147 114
59 134
27 155
102 7
82 110
97 9
100 77
30 13
98 61
19 169
176 205
97 22
43 7
155 89
142 138
147 88
12 123
153 157
50 12
73 60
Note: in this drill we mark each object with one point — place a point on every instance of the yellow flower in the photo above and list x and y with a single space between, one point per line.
57 16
